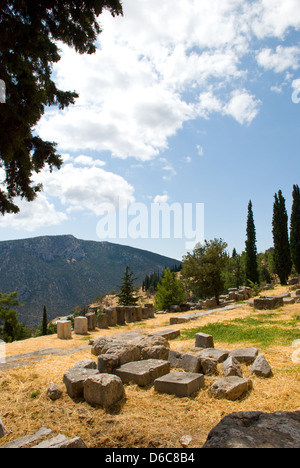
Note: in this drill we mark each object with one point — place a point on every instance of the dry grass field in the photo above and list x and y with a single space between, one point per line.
146 419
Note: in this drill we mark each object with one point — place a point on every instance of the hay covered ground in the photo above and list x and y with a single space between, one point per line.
146 419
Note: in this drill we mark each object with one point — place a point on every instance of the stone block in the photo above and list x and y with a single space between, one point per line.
64 330
209 366
142 373
150 308
261 367
139 314
86 364
169 334
181 384
107 363
297 292
288 300
61 441
146 313
202 340
99 345
126 352
80 325
219 354
120 315
268 303
231 367
256 430
103 390
155 352
102 321
185 362
74 379
91 317
245 355
111 314
230 388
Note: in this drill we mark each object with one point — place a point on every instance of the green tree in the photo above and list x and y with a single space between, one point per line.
205 267
30 31
282 254
251 250
126 296
45 322
295 229
170 291
12 330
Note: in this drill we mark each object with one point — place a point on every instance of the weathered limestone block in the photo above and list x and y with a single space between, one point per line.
144 372
230 388
61 441
111 314
202 340
91 317
80 325
185 362
169 334
181 384
74 378
152 340
120 315
268 303
209 366
99 344
103 390
64 330
107 363
255 429
86 364
53 392
155 352
150 308
261 367
126 352
245 355
231 367
219 354
102 321
232 296
22 442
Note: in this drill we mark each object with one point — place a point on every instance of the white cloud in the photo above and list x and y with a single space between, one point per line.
243 107
86 188
33 215
89 161
281 60
200 150
296 91
161 198
273 18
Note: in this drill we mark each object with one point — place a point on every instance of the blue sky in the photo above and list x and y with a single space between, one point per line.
196 102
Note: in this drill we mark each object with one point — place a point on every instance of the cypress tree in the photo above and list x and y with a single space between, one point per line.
295 229
251 250
45 322
29 44
126 296
282 254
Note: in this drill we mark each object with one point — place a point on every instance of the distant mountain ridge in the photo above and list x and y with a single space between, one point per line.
63 271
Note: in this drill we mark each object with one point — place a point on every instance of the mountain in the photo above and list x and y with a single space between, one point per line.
62 272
